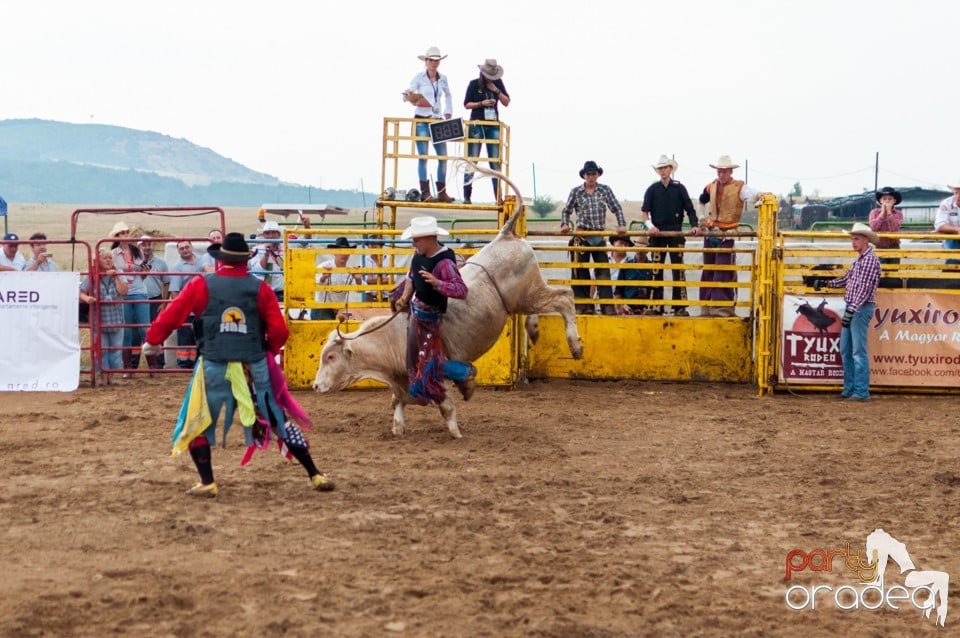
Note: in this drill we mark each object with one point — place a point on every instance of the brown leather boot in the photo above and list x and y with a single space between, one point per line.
425 192
442 193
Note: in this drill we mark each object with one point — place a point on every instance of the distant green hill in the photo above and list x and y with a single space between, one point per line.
56 162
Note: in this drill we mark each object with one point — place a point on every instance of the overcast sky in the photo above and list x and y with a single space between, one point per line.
805 91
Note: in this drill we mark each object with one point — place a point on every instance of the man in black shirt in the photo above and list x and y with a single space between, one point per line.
663 206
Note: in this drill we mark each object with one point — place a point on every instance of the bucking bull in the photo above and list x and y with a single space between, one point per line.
503 279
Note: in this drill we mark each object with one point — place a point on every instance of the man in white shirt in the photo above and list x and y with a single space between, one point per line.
947 220
10 257
267 260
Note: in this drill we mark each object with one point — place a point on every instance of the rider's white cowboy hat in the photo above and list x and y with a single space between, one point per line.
724 162
954 186
423 227
433 53
490 69
862 229
666 161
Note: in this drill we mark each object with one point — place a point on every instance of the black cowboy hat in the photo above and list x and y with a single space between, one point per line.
340 243
233 249
889 190
590 167
624 238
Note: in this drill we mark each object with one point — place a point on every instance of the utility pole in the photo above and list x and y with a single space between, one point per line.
533 166
876 170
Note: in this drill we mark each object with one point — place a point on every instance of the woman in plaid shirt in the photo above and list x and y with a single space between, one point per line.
860 293
112 288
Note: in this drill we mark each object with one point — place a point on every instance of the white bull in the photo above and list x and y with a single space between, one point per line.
502 279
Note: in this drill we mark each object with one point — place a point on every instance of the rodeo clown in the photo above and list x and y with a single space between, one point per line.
432 279
240 328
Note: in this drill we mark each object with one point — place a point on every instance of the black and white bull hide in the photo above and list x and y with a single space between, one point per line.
502 279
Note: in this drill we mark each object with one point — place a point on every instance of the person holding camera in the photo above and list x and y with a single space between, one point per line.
860 293
484 97
267 261
40 262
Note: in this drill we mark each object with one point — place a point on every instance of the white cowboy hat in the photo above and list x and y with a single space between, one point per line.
270 225
862 229
954 186
433 53
118 228
423 227
666 161
724 162
490 69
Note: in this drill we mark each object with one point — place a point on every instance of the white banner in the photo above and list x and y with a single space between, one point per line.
39 332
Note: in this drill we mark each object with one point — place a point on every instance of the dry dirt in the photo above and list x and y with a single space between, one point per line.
568 509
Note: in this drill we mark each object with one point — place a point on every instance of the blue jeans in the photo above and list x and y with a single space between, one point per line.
853 351
111 338
486 132
423 130
135 313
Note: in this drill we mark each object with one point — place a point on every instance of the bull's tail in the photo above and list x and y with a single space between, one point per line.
509 228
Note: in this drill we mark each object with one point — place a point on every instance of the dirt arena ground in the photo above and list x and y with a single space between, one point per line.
568 509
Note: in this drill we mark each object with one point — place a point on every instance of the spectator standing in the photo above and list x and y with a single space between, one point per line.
269 257
255 330
591 201
330 278
215 236
187 267
10 257
157 283
723 198
947 221
128 259
664 204
429 92
860 290
484 97
112 288
41 261
887 218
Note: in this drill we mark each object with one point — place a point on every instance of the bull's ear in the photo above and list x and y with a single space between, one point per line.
348 351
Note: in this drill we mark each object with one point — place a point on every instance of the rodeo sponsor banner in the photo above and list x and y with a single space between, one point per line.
40 336
913 339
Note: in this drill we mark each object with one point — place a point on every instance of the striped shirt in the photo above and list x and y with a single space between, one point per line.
861 281
591 210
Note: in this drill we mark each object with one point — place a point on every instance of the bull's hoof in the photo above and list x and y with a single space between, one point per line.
397 429
455 431
577 351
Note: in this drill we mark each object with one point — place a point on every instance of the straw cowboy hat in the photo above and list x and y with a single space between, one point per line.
490 69
666 161
887 190
590 167
119 227
423 227
433 53
724 162
862 229
234 249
